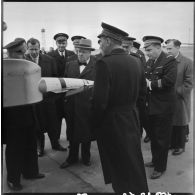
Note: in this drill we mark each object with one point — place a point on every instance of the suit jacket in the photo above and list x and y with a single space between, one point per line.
46 110
115 119
60 61
183 87
78 106
162 74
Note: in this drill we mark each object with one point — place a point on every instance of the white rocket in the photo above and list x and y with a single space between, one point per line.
22 83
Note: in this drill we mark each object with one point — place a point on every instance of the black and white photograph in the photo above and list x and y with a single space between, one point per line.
97 97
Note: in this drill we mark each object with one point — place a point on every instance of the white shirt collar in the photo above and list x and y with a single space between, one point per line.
88 60
82 67
61 52
177 55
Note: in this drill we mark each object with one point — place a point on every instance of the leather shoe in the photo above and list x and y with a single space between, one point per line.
14 186
88 163
178 151
146 139
149 164
156 174
59 148
66 164
38 176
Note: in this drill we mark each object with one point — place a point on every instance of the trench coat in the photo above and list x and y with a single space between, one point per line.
183 86
115 120
78 106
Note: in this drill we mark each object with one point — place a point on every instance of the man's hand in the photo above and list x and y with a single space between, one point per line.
148 84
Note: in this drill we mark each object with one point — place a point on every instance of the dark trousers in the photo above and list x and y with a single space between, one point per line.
41 139
60 115
74 152
160 135
178 137
144 118
21 153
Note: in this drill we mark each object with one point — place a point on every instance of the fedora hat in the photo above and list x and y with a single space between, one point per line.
85 44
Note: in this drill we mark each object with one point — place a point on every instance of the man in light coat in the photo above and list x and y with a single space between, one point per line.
183 88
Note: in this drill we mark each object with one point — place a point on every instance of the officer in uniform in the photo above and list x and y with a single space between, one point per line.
136 49
114 114
19 127
75 40
61 56
127 45
161 72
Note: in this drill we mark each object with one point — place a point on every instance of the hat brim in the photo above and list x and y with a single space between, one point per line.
87 48
77 37
12 44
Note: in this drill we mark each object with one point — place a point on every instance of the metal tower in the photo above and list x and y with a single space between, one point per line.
43 42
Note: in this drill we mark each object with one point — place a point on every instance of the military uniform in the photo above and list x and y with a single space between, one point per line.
61 66
115 118
161 74
141 102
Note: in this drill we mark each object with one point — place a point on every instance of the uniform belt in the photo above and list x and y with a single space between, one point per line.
120 108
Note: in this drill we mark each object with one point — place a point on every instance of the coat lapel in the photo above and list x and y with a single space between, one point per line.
158 61
87 68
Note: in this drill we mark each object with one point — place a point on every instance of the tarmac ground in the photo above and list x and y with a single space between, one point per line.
81 179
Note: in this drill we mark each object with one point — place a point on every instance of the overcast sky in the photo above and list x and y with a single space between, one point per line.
164 19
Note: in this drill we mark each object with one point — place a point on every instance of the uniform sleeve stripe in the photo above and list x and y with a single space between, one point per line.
159 83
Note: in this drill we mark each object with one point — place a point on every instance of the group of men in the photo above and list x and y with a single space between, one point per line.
129 94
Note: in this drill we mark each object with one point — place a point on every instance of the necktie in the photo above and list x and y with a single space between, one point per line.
62 54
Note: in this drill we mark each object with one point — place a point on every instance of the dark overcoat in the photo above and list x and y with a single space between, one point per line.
115 120
142 56
183 88
162 74
61 66
78 106
61 61
46 110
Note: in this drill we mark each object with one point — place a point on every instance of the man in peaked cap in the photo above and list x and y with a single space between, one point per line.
19 125
78 107
114 120
17 48
160 72
144 123
75 40
60 55
127 44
